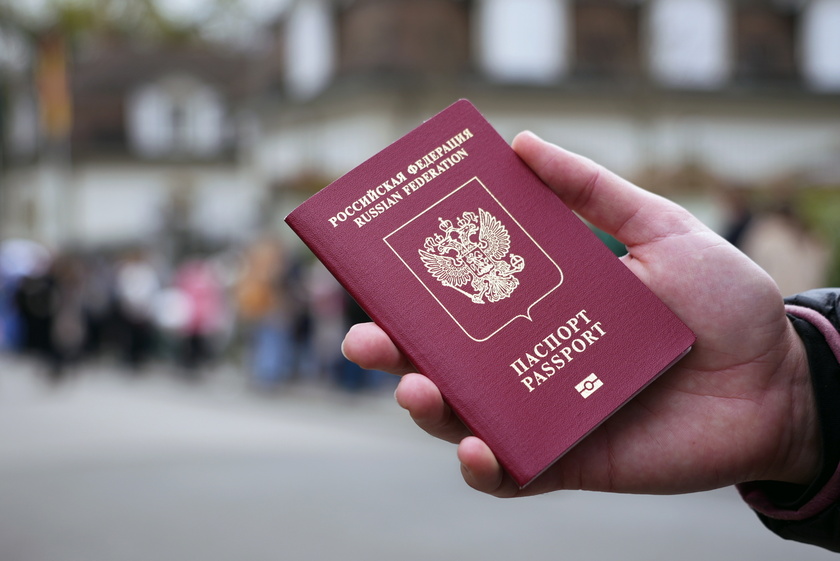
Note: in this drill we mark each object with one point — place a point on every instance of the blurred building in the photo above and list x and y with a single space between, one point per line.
144 146
674 93
678 94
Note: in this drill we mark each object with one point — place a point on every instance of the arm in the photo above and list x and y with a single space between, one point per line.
739 408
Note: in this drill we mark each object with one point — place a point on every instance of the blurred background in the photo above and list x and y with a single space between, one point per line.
171 384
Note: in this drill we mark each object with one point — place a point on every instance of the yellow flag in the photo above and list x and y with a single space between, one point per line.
53 87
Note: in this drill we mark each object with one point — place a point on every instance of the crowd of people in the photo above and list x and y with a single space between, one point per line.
276 315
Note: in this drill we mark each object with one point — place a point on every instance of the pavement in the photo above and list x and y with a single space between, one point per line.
117 467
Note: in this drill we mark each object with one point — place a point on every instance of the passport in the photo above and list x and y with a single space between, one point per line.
534 331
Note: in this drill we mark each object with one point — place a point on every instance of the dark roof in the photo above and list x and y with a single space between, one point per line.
109 68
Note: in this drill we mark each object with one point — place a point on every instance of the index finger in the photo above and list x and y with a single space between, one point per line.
369 346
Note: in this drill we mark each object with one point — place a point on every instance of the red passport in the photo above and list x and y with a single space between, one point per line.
533 330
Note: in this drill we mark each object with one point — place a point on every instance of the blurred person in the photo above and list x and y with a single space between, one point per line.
263 314
49 303
68 328
782 245
22 262
327 301
171 315
754 404
739 215
136 286
10 323
300 313
34 300
203 321
98 303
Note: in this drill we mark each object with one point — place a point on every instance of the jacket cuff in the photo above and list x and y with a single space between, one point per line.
789 502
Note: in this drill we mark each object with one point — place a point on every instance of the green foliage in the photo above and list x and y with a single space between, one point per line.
126 18
820 209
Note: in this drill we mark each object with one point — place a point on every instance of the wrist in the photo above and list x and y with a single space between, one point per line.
802 451
811 448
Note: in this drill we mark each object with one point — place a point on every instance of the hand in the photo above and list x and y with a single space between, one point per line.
738 408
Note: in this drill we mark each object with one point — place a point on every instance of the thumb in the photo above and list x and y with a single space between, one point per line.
627 212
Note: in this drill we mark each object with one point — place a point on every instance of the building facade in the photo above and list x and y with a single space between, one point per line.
152 150
677 94
681 95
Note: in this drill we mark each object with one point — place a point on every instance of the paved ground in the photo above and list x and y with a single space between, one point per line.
110 468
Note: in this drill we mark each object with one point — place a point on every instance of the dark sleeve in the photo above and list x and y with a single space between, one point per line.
811 514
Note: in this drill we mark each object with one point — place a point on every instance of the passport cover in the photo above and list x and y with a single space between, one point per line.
533 330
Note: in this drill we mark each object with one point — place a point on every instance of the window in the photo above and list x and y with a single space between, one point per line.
606 39
309 60
821 44
176 117
412 36
765 38
523 41
688 42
